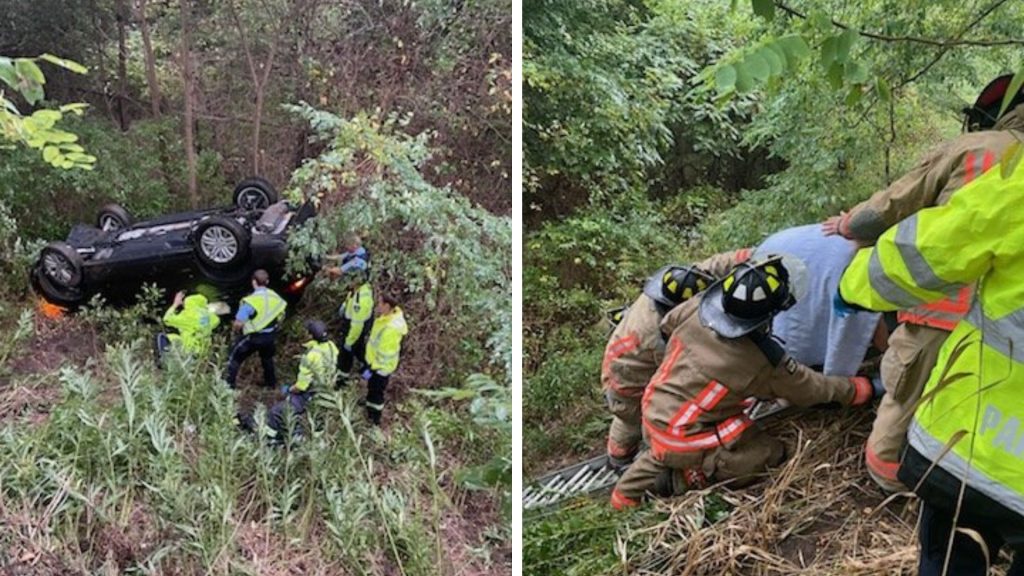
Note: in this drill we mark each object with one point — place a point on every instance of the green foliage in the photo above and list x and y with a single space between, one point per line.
39 130
433 243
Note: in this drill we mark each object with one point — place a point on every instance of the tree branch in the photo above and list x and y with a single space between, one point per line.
944 43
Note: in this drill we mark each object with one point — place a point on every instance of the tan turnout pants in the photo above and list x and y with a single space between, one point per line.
676 472
624 435
906 366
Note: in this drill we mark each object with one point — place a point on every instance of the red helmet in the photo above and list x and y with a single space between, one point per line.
984 114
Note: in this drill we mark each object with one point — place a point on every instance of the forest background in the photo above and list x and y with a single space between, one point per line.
660 131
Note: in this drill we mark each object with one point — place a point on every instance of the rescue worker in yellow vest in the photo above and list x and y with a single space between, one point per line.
914 345
316 371
195 323
965 452
382 353
257 318
356 319
719 354
636 346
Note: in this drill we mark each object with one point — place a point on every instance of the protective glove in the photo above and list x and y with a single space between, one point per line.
841 308
863 390
366 374
876 385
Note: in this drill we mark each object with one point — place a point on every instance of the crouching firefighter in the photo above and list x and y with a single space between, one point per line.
195 324
316 370
719 354
636 346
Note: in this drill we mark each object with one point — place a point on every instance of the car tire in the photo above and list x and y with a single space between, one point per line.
254 194
220 242
61 265
113 218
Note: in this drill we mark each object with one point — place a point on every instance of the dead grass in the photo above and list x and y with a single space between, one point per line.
817 514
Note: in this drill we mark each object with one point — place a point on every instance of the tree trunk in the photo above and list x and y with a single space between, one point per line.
147 52
256 131
186 73
122 67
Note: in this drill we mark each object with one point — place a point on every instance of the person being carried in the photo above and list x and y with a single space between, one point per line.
257 318
194 322
720 353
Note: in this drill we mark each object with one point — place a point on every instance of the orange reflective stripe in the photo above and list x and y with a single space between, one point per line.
726 431
675 349
883 468
944 314
969 168
924 320
705 401
615 350
621 501
618 450
988 161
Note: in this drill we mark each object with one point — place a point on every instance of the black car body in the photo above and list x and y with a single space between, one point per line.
212 251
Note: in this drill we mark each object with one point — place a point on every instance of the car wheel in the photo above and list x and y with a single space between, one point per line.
61 265
255 194
113 217
221 242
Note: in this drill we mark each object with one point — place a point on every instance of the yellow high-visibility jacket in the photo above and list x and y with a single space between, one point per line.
972 400
385 343
194 323
357 310
317 366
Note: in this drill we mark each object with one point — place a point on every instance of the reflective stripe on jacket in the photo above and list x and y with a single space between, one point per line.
317 366
194 323
971 404
357 309
385 343
268 306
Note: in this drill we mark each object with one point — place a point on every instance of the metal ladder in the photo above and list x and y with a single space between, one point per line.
597 474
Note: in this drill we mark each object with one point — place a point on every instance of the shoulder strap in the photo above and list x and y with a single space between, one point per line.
769 347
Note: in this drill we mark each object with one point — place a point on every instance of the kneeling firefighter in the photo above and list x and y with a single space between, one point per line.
719 354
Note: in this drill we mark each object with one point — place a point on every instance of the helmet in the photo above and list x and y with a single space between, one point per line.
751 294
317 329
983 115
673 285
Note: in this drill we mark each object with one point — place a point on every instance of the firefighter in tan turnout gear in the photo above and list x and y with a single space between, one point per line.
914 346
719 354
636 346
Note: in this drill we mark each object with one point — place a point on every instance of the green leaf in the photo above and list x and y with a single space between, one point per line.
845 42
64 63
855 73
51 153
884 93
725 78
776 64
7 72
1010 159
821 21
853 96
1011 91
780 52
795 47
744 83
828 52
834 75
757 66
28 69
764 9
32 93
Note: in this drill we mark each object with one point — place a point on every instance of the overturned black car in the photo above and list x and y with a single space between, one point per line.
212 251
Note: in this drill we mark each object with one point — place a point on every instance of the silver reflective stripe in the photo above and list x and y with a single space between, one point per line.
931 448
1005 335
886 288
920 270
